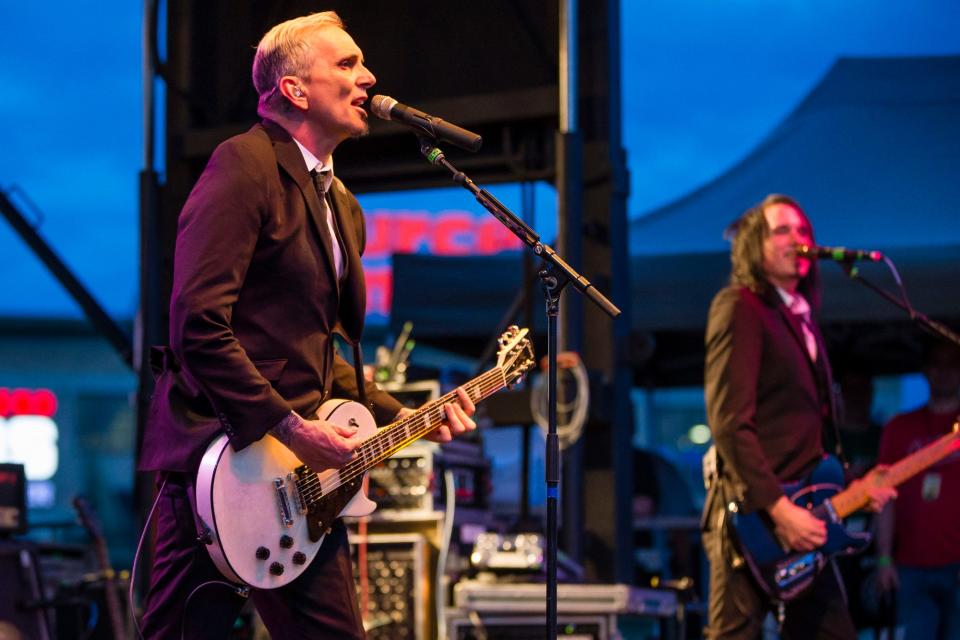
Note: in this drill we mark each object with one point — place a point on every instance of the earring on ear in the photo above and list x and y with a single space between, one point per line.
297 92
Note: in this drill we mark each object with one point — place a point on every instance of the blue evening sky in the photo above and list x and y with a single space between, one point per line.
703 82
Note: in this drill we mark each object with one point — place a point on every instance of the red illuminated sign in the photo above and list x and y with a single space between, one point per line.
27 402
448 233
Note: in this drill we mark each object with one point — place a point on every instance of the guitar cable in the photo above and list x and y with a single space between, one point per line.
240 591
136 558
243 592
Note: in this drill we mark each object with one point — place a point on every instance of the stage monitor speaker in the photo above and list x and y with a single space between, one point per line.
20 594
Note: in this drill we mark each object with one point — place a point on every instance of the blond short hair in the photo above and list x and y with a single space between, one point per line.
284 51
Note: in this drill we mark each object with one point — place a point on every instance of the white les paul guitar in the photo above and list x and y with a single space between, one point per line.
267 513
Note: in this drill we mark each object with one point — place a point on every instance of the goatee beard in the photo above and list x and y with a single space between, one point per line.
365 131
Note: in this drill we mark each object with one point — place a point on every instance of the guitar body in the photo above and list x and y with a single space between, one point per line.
266 513
783 573
251 501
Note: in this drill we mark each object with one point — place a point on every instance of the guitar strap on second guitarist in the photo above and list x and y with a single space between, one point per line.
723 488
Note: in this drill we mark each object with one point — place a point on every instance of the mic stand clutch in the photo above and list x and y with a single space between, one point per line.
554 274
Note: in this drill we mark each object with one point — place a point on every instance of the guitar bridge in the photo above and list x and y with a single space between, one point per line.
294 479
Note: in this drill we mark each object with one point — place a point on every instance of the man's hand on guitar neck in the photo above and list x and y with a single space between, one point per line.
796 527
458 419
319 444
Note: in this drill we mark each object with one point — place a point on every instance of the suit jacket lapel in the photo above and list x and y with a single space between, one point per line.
290 159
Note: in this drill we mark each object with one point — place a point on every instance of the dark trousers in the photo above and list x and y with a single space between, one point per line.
321 603
737 605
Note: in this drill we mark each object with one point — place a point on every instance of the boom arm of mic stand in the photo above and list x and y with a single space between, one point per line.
519 228
925 323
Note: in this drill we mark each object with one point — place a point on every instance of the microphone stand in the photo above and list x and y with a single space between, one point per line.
930 326
555 274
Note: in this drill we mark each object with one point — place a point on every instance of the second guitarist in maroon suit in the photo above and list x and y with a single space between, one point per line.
768 396
267 267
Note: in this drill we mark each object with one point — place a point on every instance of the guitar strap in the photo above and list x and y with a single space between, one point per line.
358 372
826 388
723 488
832 398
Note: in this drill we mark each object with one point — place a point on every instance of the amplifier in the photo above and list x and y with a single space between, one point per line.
412 479
13 499
397 587
464 625
414 394
508 597
404 482
471 476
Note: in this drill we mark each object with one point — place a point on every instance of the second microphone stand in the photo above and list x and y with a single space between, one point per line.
930 326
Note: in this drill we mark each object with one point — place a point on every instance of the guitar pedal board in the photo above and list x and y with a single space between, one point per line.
396 585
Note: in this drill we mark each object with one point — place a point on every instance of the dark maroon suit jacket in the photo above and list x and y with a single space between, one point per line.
255 303
767 401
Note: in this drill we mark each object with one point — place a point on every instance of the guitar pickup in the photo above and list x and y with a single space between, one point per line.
286 515
799 568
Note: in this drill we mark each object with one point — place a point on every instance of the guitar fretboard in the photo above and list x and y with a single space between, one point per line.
856 497
394 437
397 435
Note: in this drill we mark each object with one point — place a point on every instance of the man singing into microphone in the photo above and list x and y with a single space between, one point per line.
768 396
267 267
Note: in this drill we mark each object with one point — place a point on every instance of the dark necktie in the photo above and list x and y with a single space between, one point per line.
328 223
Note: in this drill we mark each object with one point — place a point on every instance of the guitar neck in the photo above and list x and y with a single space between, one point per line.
89 521
856 497
397 435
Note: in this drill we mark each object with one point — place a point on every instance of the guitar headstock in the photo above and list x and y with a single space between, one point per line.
515 356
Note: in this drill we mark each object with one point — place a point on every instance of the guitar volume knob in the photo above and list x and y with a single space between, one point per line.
299 557
276 569
263 553
286 542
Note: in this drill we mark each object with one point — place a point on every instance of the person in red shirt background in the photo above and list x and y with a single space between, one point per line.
918 536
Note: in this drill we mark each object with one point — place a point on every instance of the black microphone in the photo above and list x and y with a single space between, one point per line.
389 109
840 254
